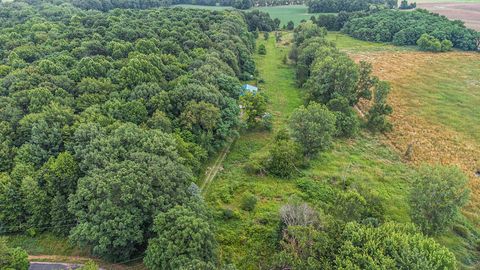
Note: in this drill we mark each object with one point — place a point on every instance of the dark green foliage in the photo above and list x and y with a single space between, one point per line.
12 258
242 4
405 5
290 25
376 116
262 50
333 6
249 201
436 197
406 28
284 158
184 240
261 21
313 127
105 117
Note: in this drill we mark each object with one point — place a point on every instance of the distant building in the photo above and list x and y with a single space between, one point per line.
249 88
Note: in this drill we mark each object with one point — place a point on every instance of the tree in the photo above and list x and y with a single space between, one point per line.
376 116
290 25
184 240
333 74
262 50
254 106
284 158
313 127
12 258
436 197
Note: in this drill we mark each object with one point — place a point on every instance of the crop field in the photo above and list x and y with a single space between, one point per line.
468 12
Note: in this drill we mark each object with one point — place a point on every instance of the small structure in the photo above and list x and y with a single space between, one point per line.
249 88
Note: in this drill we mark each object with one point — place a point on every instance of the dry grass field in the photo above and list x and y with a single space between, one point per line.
436 101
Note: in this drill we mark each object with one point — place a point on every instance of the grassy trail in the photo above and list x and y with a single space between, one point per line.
279 84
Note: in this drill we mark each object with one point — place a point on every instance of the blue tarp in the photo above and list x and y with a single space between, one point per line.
250 88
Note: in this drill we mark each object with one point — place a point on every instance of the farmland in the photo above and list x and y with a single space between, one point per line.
467 11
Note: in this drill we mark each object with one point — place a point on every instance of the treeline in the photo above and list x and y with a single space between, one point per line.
106 118
331 78
334 6
105 5
406 28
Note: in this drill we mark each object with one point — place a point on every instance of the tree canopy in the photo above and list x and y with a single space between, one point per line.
107 117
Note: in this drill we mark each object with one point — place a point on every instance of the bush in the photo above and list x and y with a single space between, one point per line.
429 43
249 201
262 50
284 159
431 212
12 258
228 214
90 265
446 45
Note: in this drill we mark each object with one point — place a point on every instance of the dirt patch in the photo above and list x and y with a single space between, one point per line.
467 12
430 142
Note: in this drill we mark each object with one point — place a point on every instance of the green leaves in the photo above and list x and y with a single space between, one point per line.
436 197
313 128
184 240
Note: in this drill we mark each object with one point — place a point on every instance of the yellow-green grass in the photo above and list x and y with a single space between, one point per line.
250 238
352 45
45 244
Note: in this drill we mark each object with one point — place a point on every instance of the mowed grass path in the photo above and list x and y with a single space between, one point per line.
249 239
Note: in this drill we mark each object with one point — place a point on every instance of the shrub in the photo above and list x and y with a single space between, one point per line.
446 45
262 50
284 158
429 43
430 211
249 201
12 258
90 265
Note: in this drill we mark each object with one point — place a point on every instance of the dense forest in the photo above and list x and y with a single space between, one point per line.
331 6
105 119
406 28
